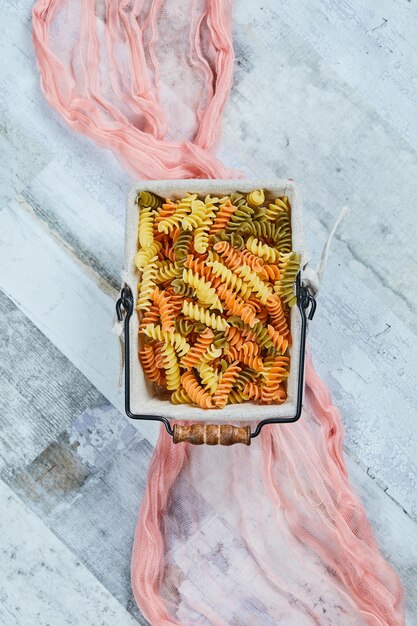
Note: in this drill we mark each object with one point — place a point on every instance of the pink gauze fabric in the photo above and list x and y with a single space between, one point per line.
265 535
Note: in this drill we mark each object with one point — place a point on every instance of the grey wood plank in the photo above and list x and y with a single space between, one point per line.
86 486
371 46
367 357
41 392
292 115
41 581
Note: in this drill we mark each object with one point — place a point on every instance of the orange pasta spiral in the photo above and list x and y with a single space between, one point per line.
270 272
253 391
279 341
226 384
159 355
277 316
246 356
196 391
278 372
222 218
193 356
237 337
199 267
272 394
236 306
147 359
176 300
234 258
163 302
151 316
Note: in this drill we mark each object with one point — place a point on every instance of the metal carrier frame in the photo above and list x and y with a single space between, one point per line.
306 304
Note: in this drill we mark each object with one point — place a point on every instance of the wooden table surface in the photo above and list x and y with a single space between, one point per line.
325 93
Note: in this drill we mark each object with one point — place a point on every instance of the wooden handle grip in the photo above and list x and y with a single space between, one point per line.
212 434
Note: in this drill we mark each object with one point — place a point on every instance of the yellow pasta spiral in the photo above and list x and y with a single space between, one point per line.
290 266
172 369
209 377
256 198
147 285
256 285
180 397
145 230
281 205
230 279
201 235
211 354
196 217
197 313
172 338
204 291
262 250
167 271
183 209
144 256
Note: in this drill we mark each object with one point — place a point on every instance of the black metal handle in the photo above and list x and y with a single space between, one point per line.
305 302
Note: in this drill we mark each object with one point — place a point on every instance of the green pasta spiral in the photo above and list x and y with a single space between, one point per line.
243 214
182 246
181 288
148 199
235 239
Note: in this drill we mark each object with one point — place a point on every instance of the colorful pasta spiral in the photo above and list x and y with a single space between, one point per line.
194 355
225 385
195 391
216 285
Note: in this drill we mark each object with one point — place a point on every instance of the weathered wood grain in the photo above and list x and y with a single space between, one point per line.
75 312
394 531
86 487
41 392
324 93
42 582
370 46
313 127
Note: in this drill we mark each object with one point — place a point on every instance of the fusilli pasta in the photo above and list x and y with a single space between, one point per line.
216 286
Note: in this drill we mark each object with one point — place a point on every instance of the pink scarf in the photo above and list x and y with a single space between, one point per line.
270 534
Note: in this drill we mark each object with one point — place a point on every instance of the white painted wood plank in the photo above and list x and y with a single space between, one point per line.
41 582
291 114
370 45
62 300
65 204
367 357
